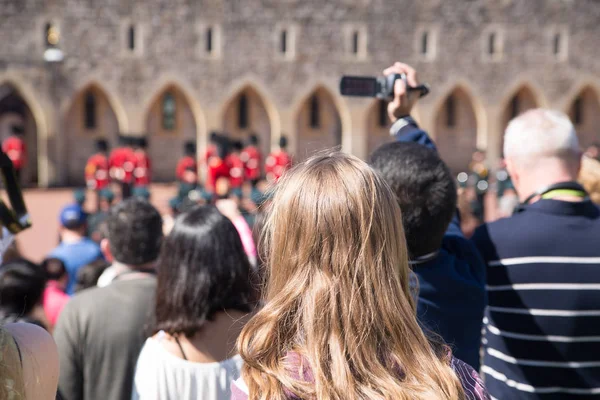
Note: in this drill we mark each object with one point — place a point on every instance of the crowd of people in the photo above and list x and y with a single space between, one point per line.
345 279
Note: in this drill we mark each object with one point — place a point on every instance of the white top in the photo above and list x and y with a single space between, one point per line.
162 375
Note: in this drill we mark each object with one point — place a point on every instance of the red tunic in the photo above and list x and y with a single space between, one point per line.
96 172
16 150
142 172
217 168
186 165
236 170
276 164
252 162
122 164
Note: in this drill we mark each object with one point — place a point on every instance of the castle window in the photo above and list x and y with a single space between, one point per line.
315 117
556 44
514 107
450 112
355 42
578 111
131 38
209 40
383 115
90 111
424 43
169 112
243 120
492 45
283 45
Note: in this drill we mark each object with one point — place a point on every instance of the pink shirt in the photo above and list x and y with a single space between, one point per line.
54 301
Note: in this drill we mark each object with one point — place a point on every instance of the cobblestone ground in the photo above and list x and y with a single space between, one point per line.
44 206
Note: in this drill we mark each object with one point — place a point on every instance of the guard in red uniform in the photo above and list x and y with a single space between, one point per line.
122 163
187 167
236 168
278 161
142 172
252 160
217 167
96 170
15 148
212 148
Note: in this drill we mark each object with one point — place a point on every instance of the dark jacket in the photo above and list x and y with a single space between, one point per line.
452 295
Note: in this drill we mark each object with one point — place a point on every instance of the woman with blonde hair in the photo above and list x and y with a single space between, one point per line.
339 319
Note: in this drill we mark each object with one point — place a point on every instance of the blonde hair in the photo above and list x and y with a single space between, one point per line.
338 294
11 372
589 177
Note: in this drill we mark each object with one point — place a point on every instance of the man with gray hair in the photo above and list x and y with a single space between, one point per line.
542 336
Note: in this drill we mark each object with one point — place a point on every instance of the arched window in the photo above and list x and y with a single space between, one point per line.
90 110
383 115
492 48
315 117
243 120
169 112
578 111
556 44
450 112
514 107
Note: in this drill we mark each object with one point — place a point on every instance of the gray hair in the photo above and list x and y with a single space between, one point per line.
540 133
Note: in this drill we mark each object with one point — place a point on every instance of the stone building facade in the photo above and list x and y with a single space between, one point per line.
175 70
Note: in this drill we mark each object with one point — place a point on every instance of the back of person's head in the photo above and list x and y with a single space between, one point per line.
541 134
88 275
189 149
202 270
425 191
54 268
338 293
73 218
22 284
134 232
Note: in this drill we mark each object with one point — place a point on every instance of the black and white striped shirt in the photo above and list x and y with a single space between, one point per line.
543 321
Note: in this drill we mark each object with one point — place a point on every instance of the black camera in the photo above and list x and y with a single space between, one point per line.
381 87
16 219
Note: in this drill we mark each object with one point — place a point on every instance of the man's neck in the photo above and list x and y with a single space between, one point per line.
69 237
126 271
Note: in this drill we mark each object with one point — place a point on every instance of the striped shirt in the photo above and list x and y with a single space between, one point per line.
469 379
542 337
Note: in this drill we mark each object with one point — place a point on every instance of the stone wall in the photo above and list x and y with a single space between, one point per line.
170 51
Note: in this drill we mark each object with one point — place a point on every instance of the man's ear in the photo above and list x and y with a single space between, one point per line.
512 170
105 248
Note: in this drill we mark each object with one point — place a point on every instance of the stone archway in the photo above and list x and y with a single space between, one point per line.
15 111
378 126
245 114
584 112
90 117
456 129
522 100
318 124
170 122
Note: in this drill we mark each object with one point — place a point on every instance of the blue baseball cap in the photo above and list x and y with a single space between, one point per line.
72 216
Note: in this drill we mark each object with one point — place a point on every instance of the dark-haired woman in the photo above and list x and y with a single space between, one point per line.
203 300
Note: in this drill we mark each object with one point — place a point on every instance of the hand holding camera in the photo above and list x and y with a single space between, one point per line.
399 85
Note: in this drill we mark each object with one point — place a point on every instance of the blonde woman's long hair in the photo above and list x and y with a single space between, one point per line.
337 294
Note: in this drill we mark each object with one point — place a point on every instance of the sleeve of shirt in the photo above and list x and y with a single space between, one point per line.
68 340
406 130
470 380
239 390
